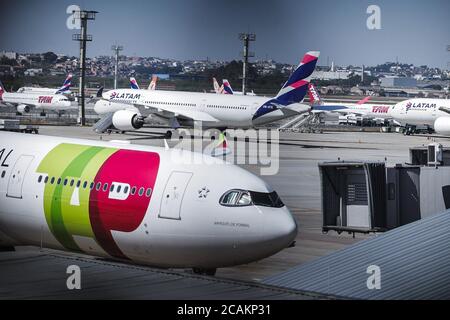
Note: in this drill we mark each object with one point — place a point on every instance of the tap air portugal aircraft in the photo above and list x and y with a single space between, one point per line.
361 108
25 101
64 89
213 110
149 205
434 113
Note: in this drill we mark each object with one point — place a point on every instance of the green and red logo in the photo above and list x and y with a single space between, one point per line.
85 200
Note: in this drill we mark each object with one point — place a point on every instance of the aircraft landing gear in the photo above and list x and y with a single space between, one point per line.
409 130
205 272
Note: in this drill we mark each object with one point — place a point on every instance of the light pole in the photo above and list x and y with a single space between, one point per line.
246 38
116 50
82 37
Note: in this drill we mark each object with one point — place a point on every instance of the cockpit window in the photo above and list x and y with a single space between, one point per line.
240 198
229 198
266 199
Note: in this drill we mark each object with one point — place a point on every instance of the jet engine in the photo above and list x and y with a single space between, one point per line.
23 108
127 120
442 125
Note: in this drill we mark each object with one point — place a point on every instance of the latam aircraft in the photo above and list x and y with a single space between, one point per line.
165 208
434 113
64 89
213 110
24 102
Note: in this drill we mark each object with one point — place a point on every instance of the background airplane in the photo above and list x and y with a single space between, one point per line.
361 108
147 205
24 102
64 89
432 113
213 110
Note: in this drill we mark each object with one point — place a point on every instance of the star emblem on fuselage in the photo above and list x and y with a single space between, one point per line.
203 192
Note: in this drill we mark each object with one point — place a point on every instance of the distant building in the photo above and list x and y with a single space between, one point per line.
330 75
33 72
8 54
402 82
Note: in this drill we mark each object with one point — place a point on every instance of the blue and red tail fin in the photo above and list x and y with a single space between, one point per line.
227 87
304 69
314 96
66 84
133 83
296 87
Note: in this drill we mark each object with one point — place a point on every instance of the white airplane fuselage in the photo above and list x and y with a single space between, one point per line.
231 111
52 102
143 204
420 111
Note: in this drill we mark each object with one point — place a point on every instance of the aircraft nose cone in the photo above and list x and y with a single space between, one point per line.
281 228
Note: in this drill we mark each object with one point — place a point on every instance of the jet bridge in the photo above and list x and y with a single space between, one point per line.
368 197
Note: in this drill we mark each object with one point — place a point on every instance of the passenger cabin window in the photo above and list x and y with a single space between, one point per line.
39 179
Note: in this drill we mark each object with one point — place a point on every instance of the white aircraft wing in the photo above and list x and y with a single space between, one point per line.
171 112
350 111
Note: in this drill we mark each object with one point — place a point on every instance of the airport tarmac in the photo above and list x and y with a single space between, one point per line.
297 182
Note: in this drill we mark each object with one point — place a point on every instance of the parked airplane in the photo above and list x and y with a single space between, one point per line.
216 111
374 111
165 208
24 102
64 89
433 113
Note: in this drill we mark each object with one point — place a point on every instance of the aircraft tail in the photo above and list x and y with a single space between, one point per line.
66 84
227 87
362 101
152 85
295 88
217 89
314 97
2 91
99 92
133 83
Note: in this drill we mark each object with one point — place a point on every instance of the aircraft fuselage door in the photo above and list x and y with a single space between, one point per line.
17 176
173 195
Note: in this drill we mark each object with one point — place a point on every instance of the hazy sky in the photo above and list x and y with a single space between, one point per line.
415 31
